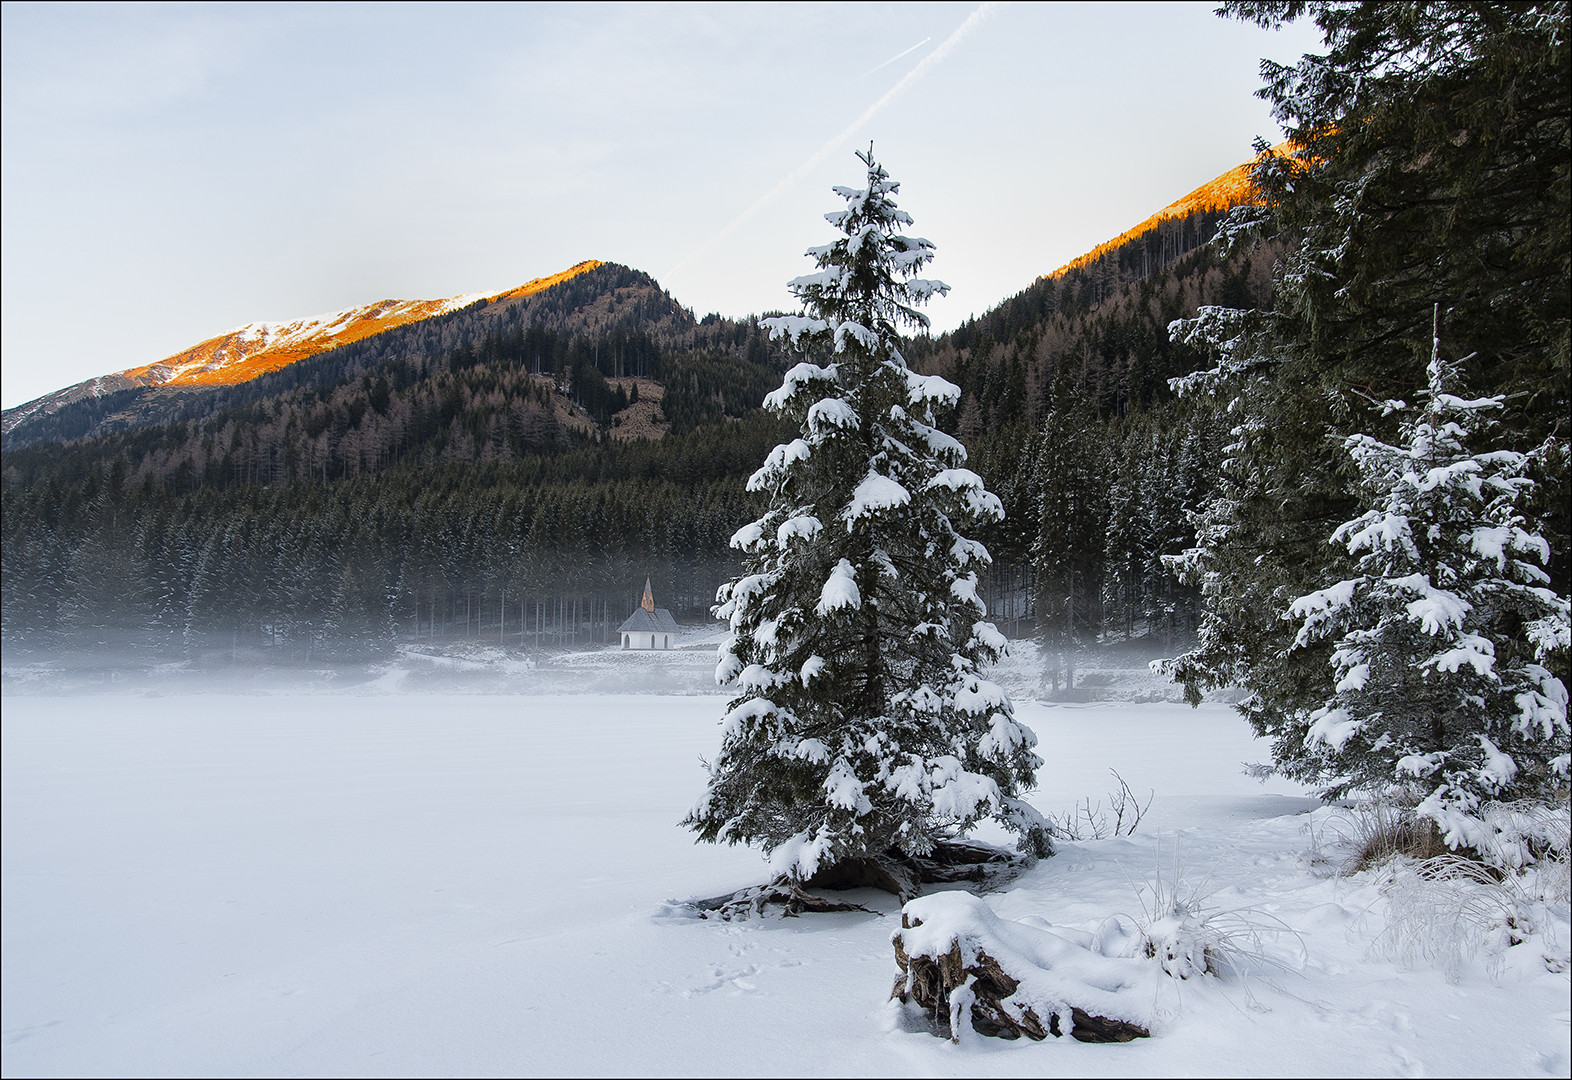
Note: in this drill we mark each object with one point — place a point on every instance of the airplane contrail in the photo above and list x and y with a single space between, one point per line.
938 54
894 58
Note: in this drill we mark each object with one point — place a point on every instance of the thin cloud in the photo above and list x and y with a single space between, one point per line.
922 68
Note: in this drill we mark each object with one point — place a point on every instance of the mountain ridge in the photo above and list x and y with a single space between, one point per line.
257 348
237 358
520 416
1221 193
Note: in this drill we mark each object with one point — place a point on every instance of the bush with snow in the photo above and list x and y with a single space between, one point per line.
1447 909
858 641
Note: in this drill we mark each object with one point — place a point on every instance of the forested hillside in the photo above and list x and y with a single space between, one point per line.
291 511
424 480
1068 414
329 485
614 315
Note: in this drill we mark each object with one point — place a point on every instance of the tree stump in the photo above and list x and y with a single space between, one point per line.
949 989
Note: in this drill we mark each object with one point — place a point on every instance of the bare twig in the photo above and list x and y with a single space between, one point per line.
1125 802
1086 821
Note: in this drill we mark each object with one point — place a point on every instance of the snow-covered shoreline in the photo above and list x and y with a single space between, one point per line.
366 883
473 666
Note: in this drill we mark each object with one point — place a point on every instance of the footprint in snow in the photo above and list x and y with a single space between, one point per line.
16 1035
1407 1064
1553 1063
723 978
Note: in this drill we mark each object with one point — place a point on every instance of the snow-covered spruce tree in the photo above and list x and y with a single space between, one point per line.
1419 172
863 730
1438 642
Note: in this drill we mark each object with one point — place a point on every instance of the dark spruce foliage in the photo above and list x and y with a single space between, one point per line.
1426 208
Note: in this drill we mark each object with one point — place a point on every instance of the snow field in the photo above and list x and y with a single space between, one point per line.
279 885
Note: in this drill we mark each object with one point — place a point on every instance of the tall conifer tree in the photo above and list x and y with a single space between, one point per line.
1426 204
1438 639
858 641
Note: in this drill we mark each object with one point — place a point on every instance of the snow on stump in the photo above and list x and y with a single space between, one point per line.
973 971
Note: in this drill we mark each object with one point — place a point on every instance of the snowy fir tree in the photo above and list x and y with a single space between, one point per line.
1418 177
863 728
1439 640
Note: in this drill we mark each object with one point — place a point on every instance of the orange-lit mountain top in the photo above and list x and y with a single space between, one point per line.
248 351
540 284
1222 193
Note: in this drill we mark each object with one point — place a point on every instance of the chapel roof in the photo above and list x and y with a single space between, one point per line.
647 618
658 621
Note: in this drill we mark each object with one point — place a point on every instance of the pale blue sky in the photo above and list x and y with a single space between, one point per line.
171 172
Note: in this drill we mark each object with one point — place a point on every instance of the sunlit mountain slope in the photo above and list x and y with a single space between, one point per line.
251 350
1224 192
254 349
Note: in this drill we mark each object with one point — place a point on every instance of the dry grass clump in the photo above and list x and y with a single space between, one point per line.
1385 828
1522 835
1446 907
1189 937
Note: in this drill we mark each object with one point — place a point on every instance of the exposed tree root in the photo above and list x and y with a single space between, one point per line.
783 892
895 872
986 868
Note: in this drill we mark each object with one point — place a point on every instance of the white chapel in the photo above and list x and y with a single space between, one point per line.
649 627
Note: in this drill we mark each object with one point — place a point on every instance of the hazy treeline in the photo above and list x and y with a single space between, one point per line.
305 571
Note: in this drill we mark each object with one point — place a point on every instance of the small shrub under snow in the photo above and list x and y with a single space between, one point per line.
1446 909
1188 937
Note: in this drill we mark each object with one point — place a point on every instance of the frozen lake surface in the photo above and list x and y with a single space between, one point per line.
432 884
